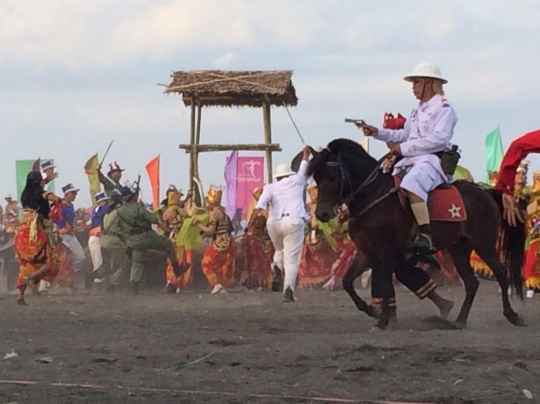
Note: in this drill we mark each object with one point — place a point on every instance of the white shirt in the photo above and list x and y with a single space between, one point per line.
429 130
286 197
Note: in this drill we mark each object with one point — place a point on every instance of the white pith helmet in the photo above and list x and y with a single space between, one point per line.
283 170
426 70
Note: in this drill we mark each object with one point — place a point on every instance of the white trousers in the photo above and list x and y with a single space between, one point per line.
94 246
423 175
77 252
287 235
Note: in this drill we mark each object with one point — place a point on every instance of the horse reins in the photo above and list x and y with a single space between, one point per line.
370 178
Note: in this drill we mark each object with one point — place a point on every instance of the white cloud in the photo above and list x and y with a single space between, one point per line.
183 24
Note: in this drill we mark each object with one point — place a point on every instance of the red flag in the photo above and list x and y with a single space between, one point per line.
152 168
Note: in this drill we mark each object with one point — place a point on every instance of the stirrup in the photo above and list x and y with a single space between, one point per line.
422 244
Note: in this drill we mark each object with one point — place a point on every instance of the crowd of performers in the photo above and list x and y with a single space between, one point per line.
49 252
122 228
326 255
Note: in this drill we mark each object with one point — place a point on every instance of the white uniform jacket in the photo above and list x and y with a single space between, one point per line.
428 130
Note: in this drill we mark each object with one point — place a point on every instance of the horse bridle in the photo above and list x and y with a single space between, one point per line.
368 181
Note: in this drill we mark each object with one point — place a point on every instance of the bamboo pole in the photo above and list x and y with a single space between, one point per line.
275 147
196 173
197 139
268 138
192 142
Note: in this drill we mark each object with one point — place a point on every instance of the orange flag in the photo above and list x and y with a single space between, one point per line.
152 168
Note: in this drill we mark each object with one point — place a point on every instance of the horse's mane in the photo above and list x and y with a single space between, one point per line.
349 153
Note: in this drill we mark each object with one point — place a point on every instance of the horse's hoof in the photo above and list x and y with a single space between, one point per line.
446 308
374 312
458 325
382 324
517 320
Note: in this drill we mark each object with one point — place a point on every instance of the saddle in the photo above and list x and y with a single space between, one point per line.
445 203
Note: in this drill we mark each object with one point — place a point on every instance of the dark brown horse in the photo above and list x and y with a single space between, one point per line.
380 226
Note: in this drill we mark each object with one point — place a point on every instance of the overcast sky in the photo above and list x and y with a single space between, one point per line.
76 74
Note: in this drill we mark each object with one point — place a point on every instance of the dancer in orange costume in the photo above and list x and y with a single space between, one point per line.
531 268
219 260
174 217
33 243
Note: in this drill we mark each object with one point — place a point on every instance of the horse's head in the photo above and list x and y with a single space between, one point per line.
340 170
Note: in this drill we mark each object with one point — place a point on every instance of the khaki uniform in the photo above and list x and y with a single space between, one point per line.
113 248
136 223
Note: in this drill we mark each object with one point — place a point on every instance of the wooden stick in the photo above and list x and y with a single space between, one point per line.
192 142
230 147
268 138
197 141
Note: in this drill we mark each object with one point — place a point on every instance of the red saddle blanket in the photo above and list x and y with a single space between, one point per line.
445 204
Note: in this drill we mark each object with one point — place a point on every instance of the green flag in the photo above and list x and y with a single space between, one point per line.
462 173
22 168
494 151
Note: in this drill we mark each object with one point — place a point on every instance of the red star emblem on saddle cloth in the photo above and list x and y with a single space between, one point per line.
445 204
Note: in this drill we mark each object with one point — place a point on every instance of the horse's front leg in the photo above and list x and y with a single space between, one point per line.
387 261
357 268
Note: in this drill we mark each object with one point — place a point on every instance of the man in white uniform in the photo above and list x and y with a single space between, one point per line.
286 221
427 132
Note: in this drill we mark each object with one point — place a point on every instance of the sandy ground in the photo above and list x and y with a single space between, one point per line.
252 343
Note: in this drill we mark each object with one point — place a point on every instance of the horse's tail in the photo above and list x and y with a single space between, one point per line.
511 244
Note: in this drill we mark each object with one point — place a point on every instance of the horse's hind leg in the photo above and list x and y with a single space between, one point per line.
489 255
461 253
355 270
419 282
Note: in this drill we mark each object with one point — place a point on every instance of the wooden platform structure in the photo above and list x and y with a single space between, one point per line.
219 88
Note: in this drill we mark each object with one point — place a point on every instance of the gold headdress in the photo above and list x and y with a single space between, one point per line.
536 183
214 195
173 196
493 177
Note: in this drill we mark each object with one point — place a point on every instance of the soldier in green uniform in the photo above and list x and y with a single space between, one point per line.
135 223
113 250
111 182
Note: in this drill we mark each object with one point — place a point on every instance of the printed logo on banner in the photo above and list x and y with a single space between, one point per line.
249 175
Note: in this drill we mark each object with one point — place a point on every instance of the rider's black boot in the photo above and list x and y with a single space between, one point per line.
423 243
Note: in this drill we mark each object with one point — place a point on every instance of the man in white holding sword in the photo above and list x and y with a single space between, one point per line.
286 221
